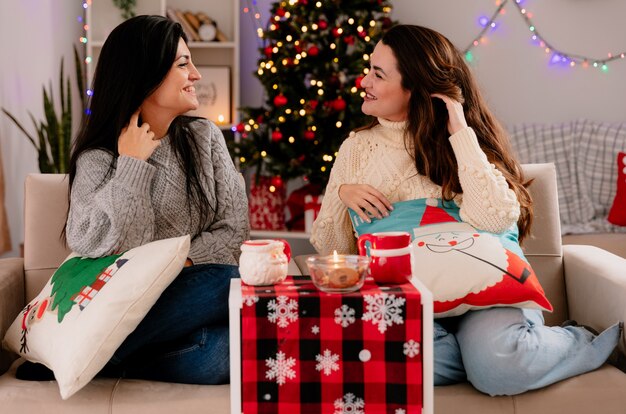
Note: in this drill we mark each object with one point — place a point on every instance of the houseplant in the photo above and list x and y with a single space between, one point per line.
54 133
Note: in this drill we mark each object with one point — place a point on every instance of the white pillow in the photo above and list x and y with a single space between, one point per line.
96 303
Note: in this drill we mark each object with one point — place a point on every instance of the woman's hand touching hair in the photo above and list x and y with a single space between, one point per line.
136 140
456 116
364 198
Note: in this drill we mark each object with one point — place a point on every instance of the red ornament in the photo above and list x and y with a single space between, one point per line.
301 158
298 48
386 21
259 119
276 181
313 51
313 104
268 51
358 80
280 12
322 24
362 34
277 135
280 100
349 39
310 135
336 32
240 127
338 104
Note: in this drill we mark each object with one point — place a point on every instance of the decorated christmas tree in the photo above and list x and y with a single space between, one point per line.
313 57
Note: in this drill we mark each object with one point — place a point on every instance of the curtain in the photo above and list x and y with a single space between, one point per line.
5 238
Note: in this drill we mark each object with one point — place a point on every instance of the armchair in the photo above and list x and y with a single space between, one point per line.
45 209
584 283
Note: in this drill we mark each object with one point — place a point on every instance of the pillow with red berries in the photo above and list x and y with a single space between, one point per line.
463 267
617 214
89 306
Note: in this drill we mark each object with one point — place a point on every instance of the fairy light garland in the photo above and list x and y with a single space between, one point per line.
557 56
85 39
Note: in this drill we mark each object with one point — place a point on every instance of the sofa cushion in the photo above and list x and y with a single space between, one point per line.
107 395
463 267
617 213
89 306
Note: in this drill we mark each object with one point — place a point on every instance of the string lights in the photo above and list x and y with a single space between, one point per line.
84 39
557 56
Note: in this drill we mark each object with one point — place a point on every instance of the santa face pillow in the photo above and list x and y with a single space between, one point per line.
463 267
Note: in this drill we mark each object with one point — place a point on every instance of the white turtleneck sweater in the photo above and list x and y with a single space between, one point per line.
378 157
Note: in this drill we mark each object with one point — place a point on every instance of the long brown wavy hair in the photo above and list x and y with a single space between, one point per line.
429 63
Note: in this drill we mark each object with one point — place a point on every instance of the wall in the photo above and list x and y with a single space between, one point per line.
515 76
33 36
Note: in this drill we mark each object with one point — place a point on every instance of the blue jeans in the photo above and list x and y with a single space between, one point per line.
184 337
507 351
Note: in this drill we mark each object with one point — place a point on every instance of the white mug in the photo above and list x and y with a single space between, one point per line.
264 262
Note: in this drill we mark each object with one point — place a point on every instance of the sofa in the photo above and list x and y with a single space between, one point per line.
584 153
582 282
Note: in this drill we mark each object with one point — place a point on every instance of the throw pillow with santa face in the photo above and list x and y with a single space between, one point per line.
463 267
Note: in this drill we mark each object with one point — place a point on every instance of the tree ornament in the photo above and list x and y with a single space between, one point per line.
338 104
387 22
310 135
277 135
280 12
268 51
280 100
322 24
241 127
336 32
349 39
313 51
358 80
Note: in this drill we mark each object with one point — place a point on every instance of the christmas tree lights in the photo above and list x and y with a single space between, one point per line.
313 56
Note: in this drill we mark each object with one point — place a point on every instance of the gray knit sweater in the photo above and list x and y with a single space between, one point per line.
145 201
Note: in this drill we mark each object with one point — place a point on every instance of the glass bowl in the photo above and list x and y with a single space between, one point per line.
338 273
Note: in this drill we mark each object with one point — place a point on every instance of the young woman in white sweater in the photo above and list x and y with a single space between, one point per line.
434 137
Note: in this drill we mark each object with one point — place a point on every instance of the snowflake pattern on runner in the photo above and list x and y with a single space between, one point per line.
349 404
411 348
383 310
250 300
327 362
400 411
282 311
344 316
315 329
280 368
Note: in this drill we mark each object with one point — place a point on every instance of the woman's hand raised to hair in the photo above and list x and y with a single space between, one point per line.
456 117
137 141
361 197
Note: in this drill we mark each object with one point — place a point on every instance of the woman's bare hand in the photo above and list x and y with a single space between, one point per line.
360 197
137 141
456 116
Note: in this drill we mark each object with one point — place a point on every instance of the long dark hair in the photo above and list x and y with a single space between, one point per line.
429 63
133 62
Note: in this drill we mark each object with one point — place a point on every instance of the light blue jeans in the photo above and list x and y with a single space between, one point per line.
184 337
507 351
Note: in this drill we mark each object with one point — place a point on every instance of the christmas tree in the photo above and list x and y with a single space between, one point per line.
313 57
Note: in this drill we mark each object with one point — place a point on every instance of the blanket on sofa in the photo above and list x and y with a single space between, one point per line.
584 153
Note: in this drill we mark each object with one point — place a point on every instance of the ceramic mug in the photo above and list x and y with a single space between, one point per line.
264 262
391 255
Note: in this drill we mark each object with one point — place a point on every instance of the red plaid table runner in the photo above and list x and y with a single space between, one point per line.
305 351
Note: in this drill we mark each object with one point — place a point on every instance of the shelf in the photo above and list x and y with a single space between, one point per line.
198 45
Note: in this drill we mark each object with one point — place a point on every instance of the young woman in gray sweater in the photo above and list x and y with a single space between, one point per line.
140 171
